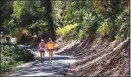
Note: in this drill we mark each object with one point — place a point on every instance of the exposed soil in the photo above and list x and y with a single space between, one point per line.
99 58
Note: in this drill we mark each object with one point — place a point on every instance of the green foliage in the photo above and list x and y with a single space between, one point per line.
57 10
12 55
123 26
12 26
38 24
112 8
82 15
34 7
18 9
104 29
40 10
123 32
63 31
105 21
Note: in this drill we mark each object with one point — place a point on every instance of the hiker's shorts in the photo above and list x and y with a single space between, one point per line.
42 49
50 49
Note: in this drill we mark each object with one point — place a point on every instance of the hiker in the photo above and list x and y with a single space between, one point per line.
50 47
41 48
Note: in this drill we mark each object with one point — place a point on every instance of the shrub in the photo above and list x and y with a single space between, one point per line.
103 29
63 31
123 32
107 30
11 55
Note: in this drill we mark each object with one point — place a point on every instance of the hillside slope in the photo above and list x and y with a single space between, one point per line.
99 58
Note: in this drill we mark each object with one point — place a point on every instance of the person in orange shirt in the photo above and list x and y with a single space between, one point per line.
50 47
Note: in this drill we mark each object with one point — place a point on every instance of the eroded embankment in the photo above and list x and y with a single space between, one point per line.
99 58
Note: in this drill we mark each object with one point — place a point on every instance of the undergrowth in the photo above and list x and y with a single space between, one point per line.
12 55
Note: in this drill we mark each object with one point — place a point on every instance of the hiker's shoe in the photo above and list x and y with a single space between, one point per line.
50 60
41 61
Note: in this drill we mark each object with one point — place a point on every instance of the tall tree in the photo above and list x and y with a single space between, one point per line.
51 29
5 13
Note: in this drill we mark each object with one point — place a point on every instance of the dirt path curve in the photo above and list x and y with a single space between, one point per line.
56 68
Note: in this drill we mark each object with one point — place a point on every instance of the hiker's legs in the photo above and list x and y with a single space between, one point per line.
50 54
41 55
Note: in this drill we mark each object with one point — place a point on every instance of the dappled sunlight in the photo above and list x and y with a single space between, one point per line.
87 37
57 67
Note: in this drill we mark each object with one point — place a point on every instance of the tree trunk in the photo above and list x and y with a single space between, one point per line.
51 29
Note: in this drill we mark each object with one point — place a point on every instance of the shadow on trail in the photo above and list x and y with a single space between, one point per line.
54 58
58 67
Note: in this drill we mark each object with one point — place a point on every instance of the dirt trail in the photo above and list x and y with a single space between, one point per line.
57 68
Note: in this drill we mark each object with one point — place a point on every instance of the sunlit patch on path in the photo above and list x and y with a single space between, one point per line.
57 68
